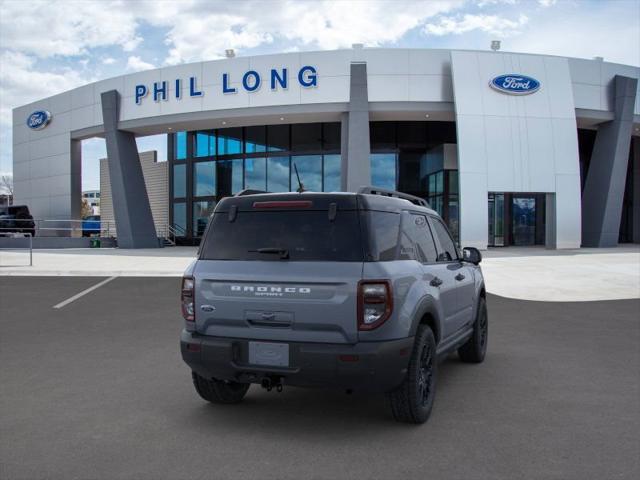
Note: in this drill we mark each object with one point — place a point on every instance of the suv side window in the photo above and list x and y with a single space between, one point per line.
448 248
420 233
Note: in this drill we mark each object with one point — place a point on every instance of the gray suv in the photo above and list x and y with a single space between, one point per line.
360 291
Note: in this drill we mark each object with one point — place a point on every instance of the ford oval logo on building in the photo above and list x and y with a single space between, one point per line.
515 84
38 120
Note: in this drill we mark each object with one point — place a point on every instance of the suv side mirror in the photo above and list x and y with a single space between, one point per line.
471 255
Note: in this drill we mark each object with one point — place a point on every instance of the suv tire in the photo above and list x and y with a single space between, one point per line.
476 347
218 391
412 401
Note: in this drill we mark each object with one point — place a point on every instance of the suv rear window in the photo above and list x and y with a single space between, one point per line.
304 235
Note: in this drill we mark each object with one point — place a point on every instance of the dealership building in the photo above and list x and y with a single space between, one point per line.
511 149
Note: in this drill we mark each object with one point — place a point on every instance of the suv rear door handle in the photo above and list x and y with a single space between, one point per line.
436 282
459 277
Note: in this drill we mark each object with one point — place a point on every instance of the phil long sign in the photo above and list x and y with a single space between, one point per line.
515 84
251 81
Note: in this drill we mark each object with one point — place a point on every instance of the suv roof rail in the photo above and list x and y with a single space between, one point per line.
393 193
249 191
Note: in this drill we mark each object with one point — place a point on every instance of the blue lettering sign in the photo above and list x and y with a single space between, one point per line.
251 86
141 92
251 82
515 84
225 84
275 77
192 88
310 79
157 90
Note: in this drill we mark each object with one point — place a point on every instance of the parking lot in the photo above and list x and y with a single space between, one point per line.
96 389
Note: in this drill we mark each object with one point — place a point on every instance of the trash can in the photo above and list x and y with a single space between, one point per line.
94 243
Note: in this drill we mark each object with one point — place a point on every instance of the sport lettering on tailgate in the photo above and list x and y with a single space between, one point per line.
251 290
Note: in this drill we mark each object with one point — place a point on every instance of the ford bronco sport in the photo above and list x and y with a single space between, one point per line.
361 291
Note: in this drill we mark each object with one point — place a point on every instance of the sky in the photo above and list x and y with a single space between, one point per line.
47 47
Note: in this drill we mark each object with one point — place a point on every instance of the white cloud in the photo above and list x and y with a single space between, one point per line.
491 24
135 64
108 61
46 29
22 83
203 30
584 34
547 3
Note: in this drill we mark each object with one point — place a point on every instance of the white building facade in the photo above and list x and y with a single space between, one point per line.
512 149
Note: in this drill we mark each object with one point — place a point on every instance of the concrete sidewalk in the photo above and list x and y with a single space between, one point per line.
521 273
585 274
101 262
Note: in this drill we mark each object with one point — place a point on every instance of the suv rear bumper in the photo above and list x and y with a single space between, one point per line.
365 366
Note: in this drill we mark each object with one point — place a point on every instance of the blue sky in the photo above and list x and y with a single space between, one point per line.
47 47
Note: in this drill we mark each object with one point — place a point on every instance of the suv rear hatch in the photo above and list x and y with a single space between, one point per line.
281 267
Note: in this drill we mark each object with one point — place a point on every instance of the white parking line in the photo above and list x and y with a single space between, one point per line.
83 293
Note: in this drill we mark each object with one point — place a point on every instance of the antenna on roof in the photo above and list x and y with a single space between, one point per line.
300 184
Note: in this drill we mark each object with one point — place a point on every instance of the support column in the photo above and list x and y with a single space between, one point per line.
134 222
550 237
356 164
604 187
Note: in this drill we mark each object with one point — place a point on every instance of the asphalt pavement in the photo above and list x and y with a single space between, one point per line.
96 389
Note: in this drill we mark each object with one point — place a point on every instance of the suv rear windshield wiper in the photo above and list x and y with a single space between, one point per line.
283 252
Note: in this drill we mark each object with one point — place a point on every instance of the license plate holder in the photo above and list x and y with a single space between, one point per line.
269 354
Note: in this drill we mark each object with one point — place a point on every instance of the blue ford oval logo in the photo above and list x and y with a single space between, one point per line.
38 120
515 84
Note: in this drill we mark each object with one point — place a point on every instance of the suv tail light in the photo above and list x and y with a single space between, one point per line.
375 303
188 310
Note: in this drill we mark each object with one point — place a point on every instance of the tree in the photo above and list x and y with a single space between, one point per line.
6 184
86 209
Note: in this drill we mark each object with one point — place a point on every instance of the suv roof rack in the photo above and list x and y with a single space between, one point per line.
392 193
249 191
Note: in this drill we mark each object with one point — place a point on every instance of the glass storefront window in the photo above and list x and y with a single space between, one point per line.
382 135
453 182
179 181
331 136
180 216
180 145
306 137
204 179
383 170
332 164
201 212
310 171
211 164
229 141
278 138
453 223
255 139
230 178
205 144
278 174
255 173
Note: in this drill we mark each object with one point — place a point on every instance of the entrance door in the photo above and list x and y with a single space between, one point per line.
496 220
523 214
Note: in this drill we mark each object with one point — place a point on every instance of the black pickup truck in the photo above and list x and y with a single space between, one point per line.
16 218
